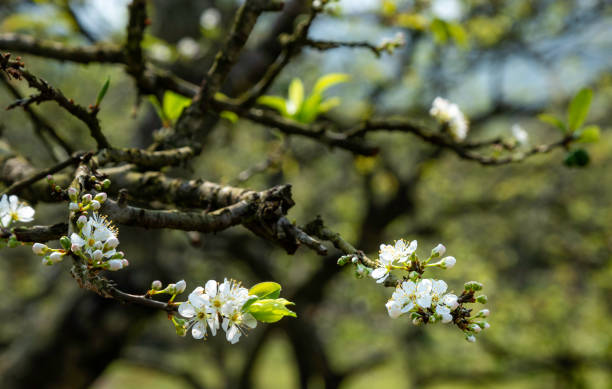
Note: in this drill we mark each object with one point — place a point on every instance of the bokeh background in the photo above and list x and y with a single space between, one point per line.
537 234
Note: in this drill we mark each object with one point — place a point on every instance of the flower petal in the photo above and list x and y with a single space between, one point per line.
186 310
211 288
199 330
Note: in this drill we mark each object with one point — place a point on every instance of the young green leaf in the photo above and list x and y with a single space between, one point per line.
587 134
329 80
158 109
102 92
266 290
229 116
249 302
439 31
270 310
296 96
553 121
579 108
275 102
174 104
328 104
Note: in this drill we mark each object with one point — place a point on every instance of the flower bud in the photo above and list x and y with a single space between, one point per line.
118 255
115 264
156 285
81 221
125 262
485 325
73 207
482 299
448 262
97 255
438 251
101 197
180 287
483 313
111 243
73 194
87 198
106 183
95 205
75 248
65 242
39 248
46 261
473 286
470 338
55 257
476 328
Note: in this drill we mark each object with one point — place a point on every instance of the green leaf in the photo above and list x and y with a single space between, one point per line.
266 290
310 109
275 102
439 31
174 105
553 121
229 116
329 80
577 158
158 109
579 108
587 134
271 310
328 104
458 33
296 96
102 92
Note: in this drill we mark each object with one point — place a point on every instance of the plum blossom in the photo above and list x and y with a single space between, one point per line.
11 209
218 305
389 255
97 238
449 114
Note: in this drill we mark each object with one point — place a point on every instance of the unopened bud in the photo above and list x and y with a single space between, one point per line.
87 198
180 287
125 262
485 325
476 328
65 242
81 221
483 313
73 194
156 285
115 264
55 257
448 262
101 197
75 248
97 255
95 205
73 207
473 286
470 338
438 251
482 299
111 243
39 248
106 183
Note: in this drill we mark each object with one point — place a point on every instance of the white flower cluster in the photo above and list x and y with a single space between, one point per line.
400 256
11 209
449 114
96 241
95 238
424 296
425 299
218 305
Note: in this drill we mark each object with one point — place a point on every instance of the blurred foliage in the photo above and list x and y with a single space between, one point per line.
537 233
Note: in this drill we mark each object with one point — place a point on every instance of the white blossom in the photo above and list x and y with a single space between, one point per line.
11 209
449 113
197 309
210 18
439 250
180 287
97 238
218 305
388 255
520 134
188 47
